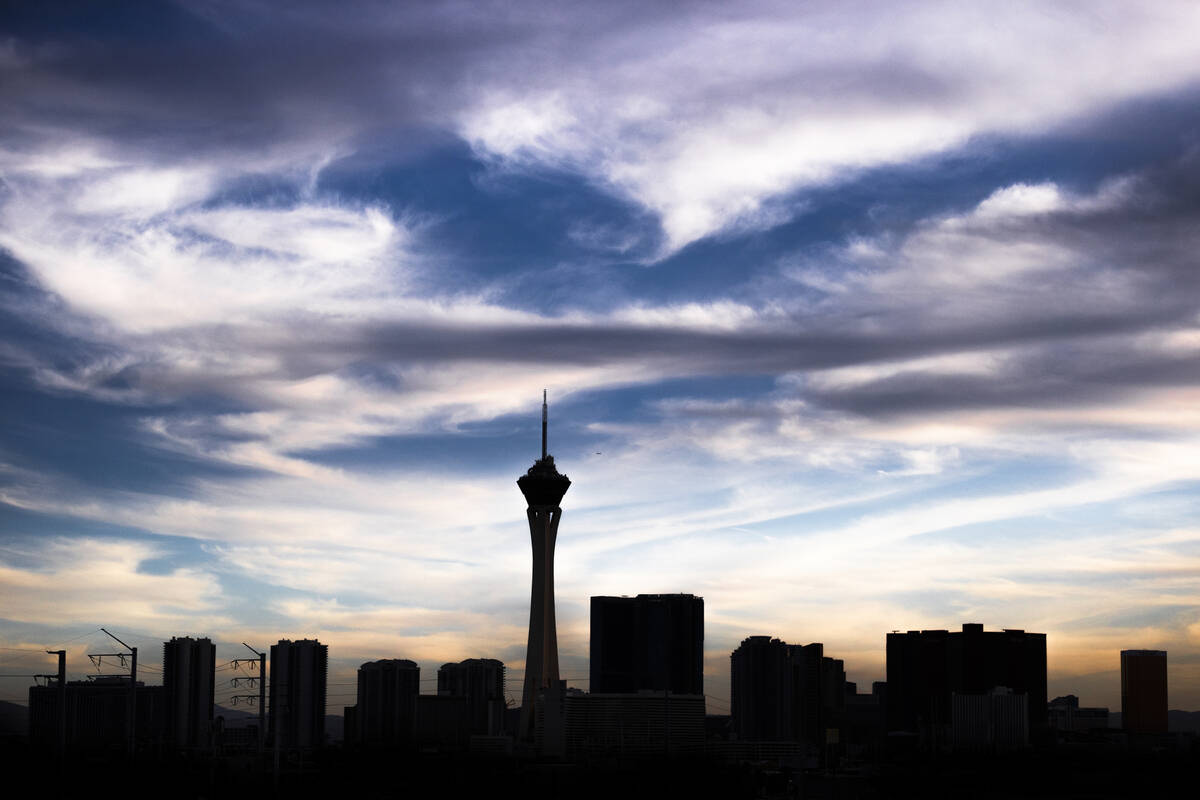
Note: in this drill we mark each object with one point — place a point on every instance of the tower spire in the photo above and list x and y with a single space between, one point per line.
545 416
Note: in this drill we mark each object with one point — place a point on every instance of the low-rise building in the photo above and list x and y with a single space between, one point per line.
640 724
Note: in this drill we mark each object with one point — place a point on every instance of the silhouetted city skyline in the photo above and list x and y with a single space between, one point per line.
939 684
869 331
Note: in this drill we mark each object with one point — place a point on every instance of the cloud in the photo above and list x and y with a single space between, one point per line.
303 319
91 579
700 115
132 247
716 115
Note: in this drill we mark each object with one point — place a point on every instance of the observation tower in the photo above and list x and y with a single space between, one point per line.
543 487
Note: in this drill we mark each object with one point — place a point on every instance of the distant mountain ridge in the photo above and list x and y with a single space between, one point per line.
1177 721
14 719
235 717
1183 721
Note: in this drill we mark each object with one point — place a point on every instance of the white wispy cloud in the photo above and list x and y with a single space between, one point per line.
133 247
91 579
715 115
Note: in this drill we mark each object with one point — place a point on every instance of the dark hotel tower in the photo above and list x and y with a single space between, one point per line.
784 692
481 682
387 696
925 668
189 675
649 642
1144 691
298 674
543 488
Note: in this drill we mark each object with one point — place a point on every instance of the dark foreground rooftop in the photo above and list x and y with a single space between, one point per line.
1061 772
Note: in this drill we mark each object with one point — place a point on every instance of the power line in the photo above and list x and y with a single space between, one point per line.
23 649
80 636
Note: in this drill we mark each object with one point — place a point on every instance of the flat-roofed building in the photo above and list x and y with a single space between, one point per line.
651 642
297 690
637 725
189 680
387 696
481 682
1066 715
1144 691
97 715
925 668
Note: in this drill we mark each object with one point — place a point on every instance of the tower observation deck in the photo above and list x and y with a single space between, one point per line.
543 487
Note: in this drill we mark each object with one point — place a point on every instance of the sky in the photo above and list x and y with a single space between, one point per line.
853 317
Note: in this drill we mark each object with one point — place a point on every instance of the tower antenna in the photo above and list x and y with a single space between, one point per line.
544 417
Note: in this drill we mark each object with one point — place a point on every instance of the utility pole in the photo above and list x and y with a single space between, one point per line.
61 698
261 680
276 708
131 719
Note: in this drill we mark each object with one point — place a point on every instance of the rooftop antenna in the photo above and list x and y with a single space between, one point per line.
544 417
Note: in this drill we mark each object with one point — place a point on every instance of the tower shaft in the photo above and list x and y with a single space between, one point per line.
541 653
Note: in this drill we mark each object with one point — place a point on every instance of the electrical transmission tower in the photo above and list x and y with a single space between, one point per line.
131 709
259 680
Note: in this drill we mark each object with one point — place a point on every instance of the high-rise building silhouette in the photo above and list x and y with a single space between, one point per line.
648 642
387 696
189 679
481 682
925 668
298 676
543 488
1144 691
784 692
